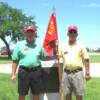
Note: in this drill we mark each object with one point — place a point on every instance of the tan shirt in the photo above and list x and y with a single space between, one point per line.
73 55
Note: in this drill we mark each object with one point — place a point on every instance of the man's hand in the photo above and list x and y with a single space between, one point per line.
87 77
13 78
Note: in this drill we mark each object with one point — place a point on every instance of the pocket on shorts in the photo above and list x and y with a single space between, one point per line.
79 80
63 81
80 75
22 74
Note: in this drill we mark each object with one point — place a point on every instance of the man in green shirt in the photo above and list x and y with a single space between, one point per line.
27 55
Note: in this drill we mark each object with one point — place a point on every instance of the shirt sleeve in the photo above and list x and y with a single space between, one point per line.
15 55
85 53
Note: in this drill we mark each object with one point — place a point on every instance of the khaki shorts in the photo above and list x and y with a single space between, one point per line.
73 82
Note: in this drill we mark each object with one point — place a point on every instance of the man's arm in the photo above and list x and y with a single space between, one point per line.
87 69
85 57
14 68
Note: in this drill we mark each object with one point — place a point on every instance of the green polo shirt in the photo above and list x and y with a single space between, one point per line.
27 54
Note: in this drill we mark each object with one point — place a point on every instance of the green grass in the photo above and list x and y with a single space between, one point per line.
8 90
92 90
95 58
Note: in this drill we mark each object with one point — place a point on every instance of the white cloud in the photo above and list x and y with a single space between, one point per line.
45 4
91 5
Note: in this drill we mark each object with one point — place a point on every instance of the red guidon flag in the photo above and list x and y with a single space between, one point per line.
51 35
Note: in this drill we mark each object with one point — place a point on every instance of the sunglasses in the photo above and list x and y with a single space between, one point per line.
72 31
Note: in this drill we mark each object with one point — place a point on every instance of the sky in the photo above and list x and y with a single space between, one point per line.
85 14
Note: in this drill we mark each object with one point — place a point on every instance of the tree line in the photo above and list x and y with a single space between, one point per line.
12 21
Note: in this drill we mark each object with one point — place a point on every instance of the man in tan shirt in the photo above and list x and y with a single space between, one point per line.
75 56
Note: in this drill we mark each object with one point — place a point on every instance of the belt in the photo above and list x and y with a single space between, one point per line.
30 69
73 71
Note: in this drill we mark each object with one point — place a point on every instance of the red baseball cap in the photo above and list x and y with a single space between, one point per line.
72 28
27 28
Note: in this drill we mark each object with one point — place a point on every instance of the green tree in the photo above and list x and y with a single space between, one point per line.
12 21
88 49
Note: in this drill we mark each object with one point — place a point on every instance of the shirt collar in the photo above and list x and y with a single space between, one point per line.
73 43
30 44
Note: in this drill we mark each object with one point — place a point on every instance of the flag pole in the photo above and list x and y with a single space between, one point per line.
58 65
58 60
59 73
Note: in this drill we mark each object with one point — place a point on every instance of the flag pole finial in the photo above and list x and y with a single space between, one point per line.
54 9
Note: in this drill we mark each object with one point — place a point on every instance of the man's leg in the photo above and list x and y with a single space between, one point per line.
36 97
23 83
36 84
66 86
21 97
69 97
78 84
79 98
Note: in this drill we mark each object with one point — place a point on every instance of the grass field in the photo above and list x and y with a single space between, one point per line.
8 89
93 59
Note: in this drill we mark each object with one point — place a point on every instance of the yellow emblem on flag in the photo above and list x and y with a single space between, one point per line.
51 28
47 46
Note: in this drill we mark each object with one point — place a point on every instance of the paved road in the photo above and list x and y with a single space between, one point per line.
94 70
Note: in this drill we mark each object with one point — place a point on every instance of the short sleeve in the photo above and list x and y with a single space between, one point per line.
85 53
15 55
